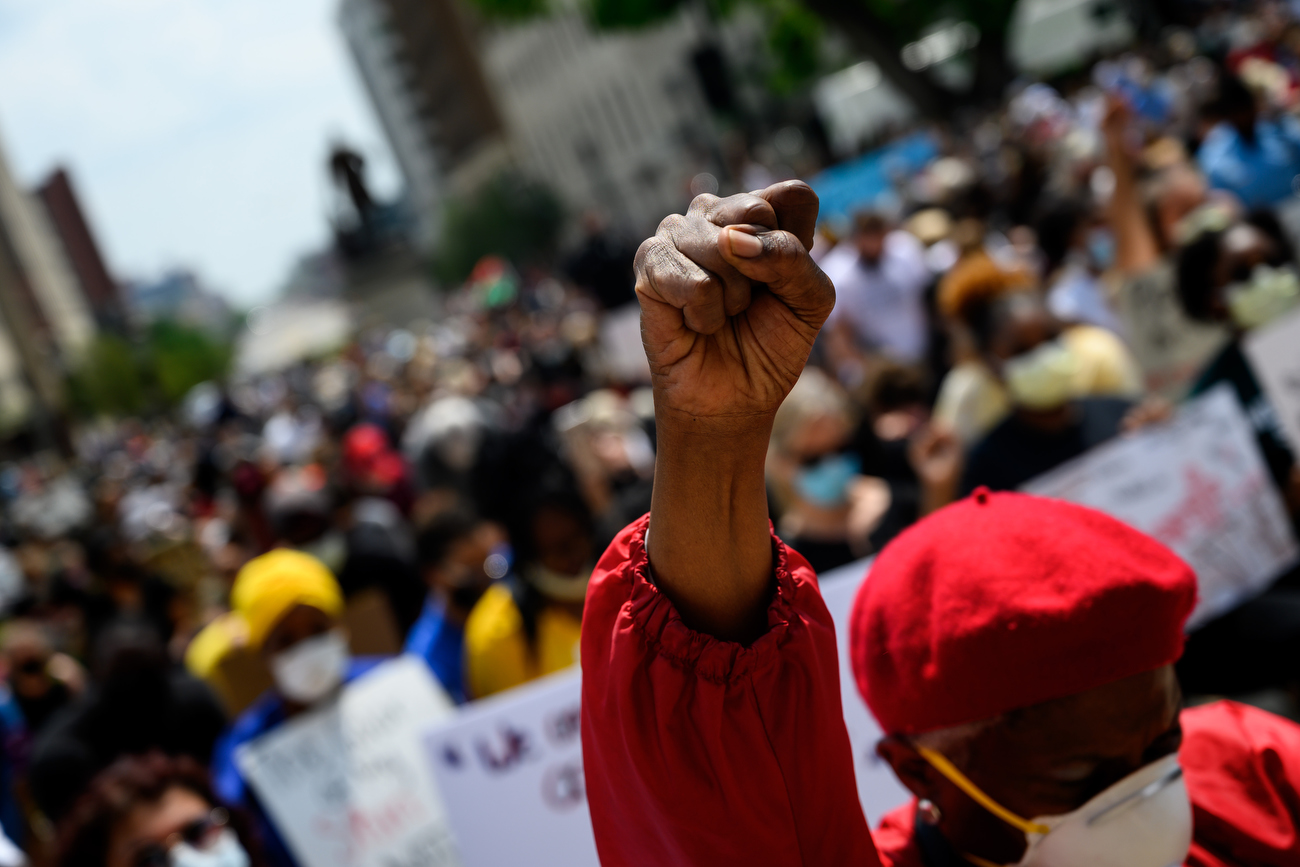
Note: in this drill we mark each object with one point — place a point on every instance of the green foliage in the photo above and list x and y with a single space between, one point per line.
510 10
794 38
120 378
182 357
509 216
631 13
109 380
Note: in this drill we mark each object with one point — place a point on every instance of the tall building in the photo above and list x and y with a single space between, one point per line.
418 62
46 325
66 216
611 121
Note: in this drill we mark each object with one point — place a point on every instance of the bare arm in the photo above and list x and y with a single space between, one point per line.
728 317
1136 248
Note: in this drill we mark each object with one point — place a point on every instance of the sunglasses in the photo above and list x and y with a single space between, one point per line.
201 834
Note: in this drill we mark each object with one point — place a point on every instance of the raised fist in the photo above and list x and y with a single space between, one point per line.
731 303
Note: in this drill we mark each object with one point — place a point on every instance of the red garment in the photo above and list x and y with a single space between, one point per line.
703 752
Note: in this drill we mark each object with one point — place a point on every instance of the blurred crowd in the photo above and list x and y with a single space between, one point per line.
1070 267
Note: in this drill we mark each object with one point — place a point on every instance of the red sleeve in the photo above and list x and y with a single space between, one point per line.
1242 768
699 751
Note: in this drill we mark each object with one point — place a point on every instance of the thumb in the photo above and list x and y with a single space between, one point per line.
778 259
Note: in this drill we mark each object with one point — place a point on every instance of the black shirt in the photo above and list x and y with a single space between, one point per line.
1014 452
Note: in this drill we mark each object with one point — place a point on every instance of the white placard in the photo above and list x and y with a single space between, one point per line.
347 785
1198 484
510 769
878 788
1274 353
515 761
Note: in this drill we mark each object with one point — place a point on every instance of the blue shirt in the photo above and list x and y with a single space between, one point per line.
1260 174
262 716
441 643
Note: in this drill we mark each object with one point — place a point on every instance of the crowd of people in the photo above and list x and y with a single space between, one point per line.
1071 266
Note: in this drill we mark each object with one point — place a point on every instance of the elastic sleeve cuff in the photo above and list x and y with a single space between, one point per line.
647 610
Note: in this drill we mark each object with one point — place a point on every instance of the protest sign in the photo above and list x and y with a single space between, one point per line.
1198 484
1274 353
519 755
514 761
878 788
347 785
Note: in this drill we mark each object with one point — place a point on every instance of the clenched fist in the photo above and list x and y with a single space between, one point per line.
731 302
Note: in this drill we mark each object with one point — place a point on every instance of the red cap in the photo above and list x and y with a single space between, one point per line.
1003 601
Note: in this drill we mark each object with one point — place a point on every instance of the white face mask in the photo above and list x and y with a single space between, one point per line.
560 587
226 851
1268 294
1043 378
1144 820
311 669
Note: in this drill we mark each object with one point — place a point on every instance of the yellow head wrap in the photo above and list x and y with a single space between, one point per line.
269 586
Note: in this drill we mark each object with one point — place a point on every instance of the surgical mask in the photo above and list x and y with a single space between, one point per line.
1144 820
1043 378
826 483
557 585
312 668
1101 248
226 851
1268 294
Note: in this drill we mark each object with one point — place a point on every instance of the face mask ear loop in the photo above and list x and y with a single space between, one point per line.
958 779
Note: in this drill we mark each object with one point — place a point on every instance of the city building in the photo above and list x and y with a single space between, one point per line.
46 323
66 216
179 296
418 62
612 121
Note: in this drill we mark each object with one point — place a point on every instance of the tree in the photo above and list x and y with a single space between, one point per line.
878 29
509 216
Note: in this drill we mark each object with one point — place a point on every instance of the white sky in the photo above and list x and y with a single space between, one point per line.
196 130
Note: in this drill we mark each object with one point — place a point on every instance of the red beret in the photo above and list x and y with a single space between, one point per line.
1003 601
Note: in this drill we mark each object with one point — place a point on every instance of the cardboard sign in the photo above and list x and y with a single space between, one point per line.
1274 353
510 766
1199 485
347 784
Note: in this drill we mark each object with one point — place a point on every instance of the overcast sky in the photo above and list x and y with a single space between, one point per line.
196 130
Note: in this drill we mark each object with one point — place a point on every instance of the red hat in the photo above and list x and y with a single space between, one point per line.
1003 601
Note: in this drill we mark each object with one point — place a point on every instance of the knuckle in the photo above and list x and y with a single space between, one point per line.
671 225
704 203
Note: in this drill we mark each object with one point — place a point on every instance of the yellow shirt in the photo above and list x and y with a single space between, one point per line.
497 655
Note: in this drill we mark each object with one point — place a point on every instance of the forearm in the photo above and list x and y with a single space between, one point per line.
710 548
1135 243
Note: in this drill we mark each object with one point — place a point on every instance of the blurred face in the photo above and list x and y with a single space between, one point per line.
1184 192
818 437
563 544
462 572
149 828
871 245
27 669
1243 248
301 623
1024 327
1046 760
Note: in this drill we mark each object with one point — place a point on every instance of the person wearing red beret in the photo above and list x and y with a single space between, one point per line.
1016 651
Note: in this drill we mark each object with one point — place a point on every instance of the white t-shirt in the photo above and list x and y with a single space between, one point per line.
883 303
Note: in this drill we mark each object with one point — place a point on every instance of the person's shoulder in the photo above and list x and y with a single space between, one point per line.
839 262
1227 730
494 617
